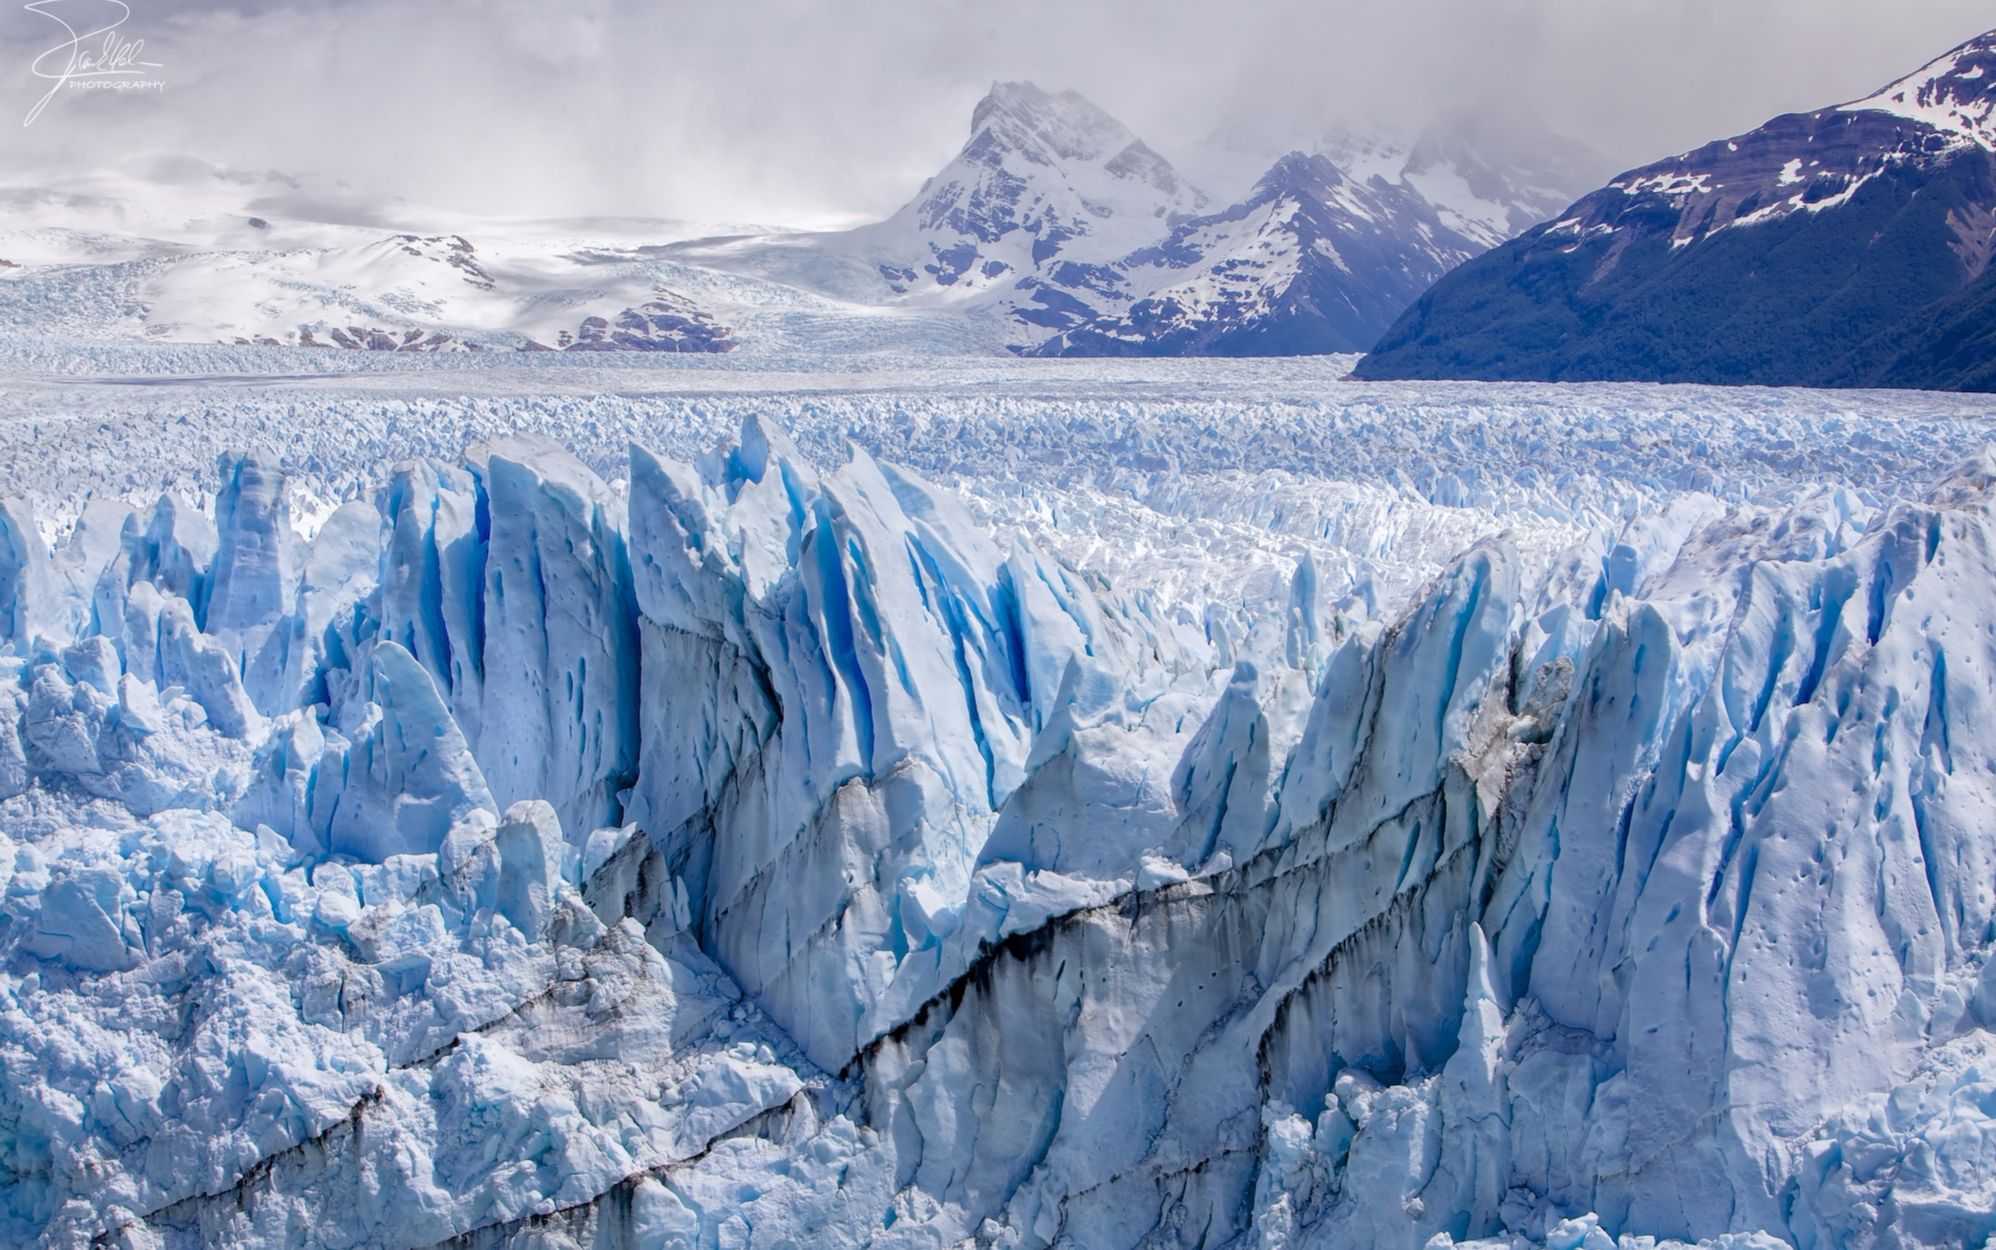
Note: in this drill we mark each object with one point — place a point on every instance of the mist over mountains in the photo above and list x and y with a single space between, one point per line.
1055 230
802 115
1848 246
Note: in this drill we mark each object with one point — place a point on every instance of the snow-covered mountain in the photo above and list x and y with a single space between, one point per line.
1054 230
180 204
1020 231
1847 246
179 251
757 850
1312 262
1329 246
1317 255
1068 235
1044 181
1487 176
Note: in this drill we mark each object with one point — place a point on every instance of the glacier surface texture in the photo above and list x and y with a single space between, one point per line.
1134 806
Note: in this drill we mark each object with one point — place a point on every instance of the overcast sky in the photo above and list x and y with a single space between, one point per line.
787 111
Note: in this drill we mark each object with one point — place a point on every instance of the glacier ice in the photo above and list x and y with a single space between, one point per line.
746 849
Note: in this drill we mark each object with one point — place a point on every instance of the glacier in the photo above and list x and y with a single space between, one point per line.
956 815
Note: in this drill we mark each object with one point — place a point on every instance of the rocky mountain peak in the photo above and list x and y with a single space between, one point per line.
1955 93
1297 173
1067 126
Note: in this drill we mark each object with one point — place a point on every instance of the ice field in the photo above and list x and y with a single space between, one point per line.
942 801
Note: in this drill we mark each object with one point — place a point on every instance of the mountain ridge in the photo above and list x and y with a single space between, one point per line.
1054 230
1312 262
1803 252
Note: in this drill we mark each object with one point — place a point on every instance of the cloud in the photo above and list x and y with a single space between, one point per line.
802 110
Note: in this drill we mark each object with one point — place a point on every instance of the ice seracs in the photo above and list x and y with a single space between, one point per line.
863 674
754 849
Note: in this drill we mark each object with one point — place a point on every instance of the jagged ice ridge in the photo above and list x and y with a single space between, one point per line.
753 852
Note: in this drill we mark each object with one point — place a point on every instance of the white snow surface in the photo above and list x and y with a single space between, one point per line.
1485 180
1948 94
1042 222
174 250
988 803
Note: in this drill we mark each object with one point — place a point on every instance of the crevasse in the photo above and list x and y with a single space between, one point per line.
753 854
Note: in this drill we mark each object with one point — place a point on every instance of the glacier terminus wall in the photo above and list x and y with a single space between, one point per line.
750 850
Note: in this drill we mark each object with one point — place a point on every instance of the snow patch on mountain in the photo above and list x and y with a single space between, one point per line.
1844 247
1954 94
1818 162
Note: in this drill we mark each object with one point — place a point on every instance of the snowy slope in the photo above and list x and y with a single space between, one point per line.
1813 163
1311 262
763 844
1052 217
1068 235
1043 176
1950 95
182 204
390 292
1487 179
1021 227
1848 246
1494 180
181 252
1328 247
